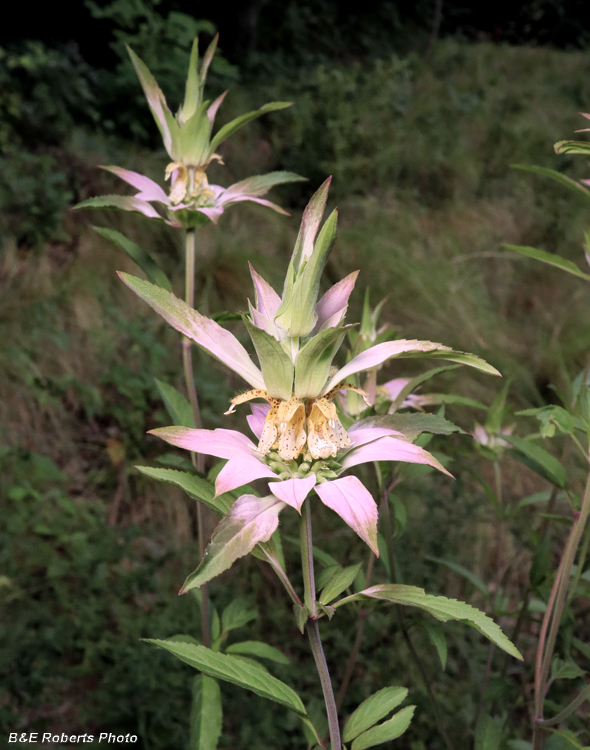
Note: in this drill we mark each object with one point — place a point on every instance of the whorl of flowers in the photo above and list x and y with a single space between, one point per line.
301 442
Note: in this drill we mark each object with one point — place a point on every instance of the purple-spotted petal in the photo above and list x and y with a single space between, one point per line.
391 449
220 443
332 306
256 419
240 470
293 491
149 190
354 504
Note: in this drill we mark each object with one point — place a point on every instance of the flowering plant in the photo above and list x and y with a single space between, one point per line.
302 447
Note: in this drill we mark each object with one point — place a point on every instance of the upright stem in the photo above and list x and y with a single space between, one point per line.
554 611
198 460
313 630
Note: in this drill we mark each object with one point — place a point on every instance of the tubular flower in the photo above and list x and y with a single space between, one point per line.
302 445
284 426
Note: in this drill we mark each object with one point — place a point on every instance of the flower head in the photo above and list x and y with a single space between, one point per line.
302 444
188 139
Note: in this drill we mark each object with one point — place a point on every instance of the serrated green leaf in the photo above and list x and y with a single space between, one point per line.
411 424
276 365
440 607
314 361
206 714
550 258
565 670
259 649
385 732
537 459
301 616
147 264
248 675
372 710
464 572
437 638
197 488
249 521
340 581
326 574
176 404
236 615
488 734
557 176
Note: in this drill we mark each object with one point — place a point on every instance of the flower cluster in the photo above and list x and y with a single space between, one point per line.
189 141
302 444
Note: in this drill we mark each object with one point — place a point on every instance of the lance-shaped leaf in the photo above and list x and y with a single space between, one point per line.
206 714
192 91
297 312
372 710
220 343
341 580
259 649
557 176
355 505
123 203
249 521
440 607
304 246
537 459
148 189
314 361
549 258
176 404
245 674
165 121
407 349
277 367
194 486
194 137
242 120
147 264
488 734
385 732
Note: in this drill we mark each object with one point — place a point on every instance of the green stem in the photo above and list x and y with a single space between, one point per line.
313 630
198 460
554 612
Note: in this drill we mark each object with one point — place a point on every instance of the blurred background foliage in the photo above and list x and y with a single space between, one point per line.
419 117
